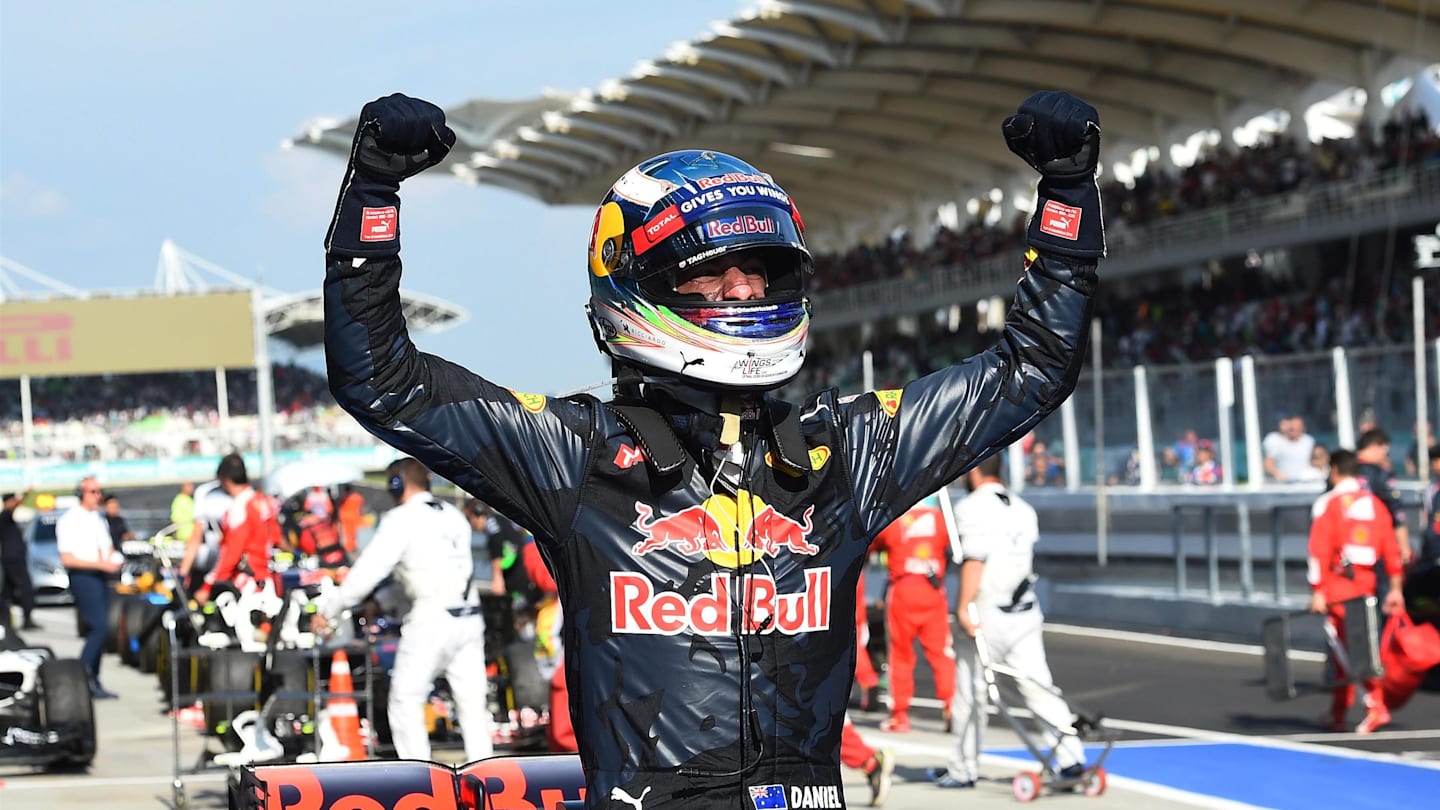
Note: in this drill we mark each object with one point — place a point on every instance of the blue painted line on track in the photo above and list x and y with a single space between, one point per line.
1265 776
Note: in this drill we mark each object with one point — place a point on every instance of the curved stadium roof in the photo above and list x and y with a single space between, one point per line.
868 111
299 318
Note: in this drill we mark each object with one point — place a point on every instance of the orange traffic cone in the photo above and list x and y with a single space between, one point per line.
344 716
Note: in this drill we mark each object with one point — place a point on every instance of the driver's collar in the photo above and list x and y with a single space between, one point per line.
697 417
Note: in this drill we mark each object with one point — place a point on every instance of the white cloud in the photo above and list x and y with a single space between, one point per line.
25 197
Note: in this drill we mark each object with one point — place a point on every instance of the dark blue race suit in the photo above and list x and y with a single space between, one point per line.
709 656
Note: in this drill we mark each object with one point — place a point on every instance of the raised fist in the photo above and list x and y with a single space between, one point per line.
399 136
1057 134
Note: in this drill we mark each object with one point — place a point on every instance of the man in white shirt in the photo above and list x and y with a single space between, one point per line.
998 532
1288 451
82 536
426 543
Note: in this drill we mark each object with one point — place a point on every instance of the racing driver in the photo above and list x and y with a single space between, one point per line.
706 539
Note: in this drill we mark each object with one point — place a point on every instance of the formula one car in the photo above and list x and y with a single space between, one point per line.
46 713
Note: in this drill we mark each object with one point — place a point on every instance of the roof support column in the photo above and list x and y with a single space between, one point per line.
1224 124
922 224
1297 131
1372 83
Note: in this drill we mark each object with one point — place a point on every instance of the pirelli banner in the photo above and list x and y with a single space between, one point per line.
77 337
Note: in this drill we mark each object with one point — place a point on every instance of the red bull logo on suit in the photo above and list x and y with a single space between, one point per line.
728 531
635 607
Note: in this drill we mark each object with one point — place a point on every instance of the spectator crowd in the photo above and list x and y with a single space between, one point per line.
1231 309
157 415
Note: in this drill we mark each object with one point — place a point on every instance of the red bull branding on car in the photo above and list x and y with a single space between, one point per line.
728 531
635 606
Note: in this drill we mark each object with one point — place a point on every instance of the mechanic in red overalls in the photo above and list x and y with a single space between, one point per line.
249 530
1351 533
865 675
916 607
560 734
877 764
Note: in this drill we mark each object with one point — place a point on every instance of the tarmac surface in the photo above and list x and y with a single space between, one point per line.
1194 725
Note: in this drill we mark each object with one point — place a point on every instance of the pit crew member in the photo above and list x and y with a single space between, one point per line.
249 530
426 543
998 531
1351 533
917 607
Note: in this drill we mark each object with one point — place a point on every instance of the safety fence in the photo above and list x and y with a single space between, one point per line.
1126 428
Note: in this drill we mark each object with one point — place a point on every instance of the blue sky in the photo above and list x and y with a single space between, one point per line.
122 124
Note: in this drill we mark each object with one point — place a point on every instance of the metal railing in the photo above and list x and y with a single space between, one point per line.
1246 558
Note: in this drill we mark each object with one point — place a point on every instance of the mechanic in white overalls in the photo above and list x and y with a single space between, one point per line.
426 543
998 532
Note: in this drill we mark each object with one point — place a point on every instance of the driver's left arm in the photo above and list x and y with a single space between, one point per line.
908 443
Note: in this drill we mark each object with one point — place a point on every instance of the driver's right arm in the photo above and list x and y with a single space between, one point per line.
522 453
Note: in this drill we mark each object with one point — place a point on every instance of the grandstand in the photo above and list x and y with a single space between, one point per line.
1268 166
152 413
875 114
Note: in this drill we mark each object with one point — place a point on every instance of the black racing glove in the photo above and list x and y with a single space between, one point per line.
397 137
1059 136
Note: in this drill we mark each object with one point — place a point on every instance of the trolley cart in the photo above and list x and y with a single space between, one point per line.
1359 655
241 683
232 693
1084 726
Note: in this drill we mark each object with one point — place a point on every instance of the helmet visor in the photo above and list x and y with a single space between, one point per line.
677 238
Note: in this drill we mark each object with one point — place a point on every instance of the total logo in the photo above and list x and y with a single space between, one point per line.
729 532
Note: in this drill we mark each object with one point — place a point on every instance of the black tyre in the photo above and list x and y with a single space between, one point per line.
116 615
148 656
528 688
66 706
162 663
291 672
233 676
189 665
193 671
134 619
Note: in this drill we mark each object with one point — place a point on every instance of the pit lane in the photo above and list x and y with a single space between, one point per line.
1196 730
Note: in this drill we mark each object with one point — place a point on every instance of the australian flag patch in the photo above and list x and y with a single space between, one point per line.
768 797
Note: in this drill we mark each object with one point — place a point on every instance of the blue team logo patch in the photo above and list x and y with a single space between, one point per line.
768 797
